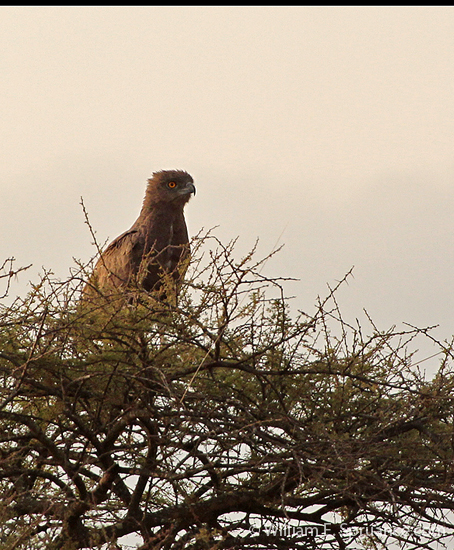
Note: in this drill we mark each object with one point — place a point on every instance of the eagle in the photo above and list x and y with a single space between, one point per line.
157 244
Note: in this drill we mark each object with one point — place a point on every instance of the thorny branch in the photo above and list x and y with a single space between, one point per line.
8 272
224 422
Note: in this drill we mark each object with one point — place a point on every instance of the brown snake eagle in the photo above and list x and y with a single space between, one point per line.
157 243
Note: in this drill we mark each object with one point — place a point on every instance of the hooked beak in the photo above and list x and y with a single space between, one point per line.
186 190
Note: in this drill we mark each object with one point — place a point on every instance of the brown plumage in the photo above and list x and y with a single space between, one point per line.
156 244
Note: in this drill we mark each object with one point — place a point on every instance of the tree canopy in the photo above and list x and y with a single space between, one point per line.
225 421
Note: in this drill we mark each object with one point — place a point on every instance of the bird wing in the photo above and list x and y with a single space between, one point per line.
117 263
122 240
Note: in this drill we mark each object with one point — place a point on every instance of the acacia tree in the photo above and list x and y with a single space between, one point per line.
222 421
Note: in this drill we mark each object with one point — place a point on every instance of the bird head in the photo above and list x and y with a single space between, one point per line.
170 186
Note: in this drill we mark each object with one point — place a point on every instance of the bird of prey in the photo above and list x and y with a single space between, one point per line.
157 244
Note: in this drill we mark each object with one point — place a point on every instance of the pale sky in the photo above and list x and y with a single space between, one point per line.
328 129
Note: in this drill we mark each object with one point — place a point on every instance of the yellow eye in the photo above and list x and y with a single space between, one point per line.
172 184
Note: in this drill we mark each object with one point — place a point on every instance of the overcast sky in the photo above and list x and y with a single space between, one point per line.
329 129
